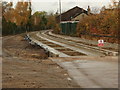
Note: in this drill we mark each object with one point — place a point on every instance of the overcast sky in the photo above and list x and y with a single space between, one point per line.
53 5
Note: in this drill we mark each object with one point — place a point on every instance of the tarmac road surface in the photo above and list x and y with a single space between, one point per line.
92 72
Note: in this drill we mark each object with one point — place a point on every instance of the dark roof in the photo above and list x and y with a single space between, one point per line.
66 16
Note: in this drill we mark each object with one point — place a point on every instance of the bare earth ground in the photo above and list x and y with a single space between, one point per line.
26 66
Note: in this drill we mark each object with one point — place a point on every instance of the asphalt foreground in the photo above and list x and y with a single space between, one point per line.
26 66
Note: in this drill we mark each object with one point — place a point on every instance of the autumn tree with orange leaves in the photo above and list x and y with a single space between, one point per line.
18 16
101 26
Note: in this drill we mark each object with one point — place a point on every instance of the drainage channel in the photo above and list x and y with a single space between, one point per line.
57 47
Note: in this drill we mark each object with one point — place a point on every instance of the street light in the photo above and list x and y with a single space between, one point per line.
60 9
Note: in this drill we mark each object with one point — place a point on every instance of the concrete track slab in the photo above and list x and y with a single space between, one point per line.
106 44
47 48
81 50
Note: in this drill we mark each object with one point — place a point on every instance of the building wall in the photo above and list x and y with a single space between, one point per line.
80 17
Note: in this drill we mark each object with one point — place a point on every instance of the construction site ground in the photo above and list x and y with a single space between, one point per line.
26 66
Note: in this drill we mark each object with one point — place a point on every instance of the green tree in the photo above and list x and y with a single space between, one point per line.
40 20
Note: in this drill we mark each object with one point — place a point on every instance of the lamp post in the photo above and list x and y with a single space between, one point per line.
60 9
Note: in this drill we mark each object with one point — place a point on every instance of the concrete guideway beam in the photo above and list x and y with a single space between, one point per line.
52 51
84 40
107 45
87 52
